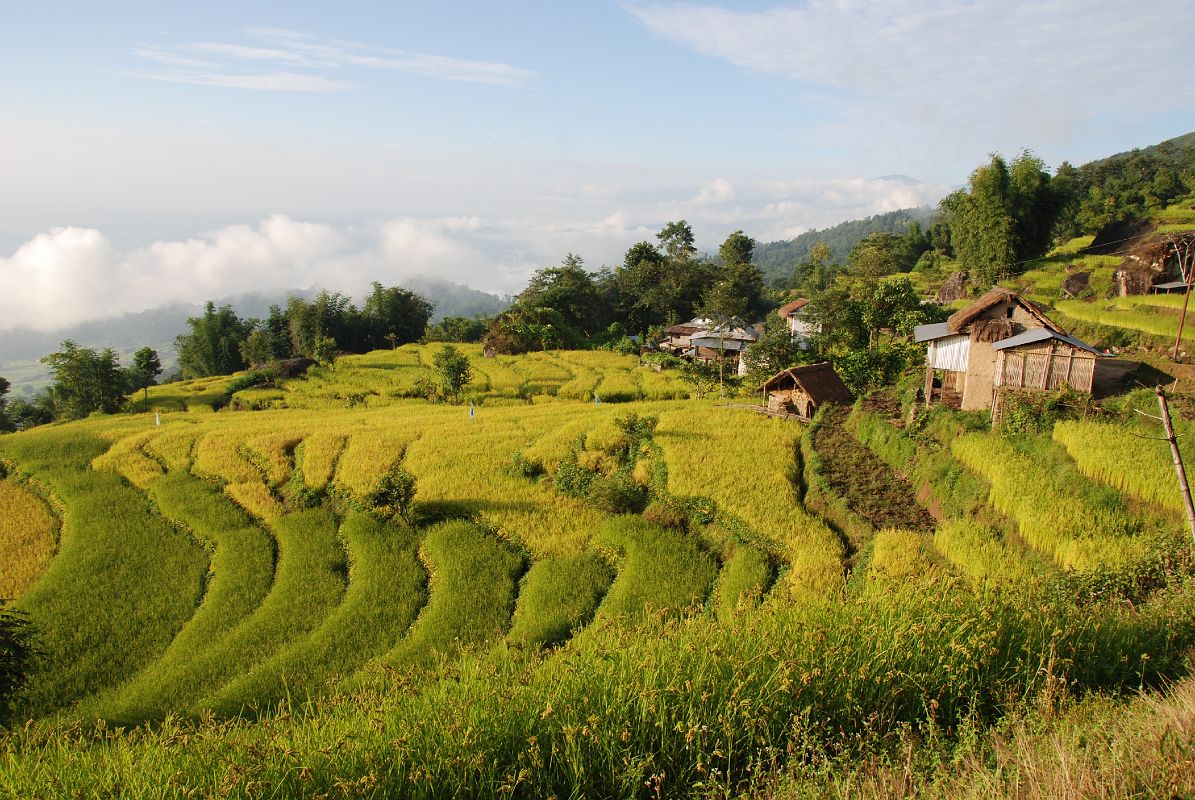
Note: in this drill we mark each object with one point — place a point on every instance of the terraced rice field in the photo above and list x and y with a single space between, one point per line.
235 564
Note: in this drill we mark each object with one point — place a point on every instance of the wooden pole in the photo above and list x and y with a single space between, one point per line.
1183 486
1183 318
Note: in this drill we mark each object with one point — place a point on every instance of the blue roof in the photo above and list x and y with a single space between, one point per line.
924 333
1035 335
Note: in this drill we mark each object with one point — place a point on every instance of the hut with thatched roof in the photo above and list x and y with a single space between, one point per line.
801 391
1001 340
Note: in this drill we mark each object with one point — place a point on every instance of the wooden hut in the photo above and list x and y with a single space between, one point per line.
1001 340
801 391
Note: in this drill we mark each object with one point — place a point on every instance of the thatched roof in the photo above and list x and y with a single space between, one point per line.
994 297
819 381
788 308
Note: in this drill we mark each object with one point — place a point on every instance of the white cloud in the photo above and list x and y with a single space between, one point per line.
71 275
909 71
240 66
718 190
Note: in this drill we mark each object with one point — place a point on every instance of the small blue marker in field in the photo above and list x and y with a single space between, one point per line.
470 409
596 401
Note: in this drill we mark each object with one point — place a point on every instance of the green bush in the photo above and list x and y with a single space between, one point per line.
249 380
16 653
392 495
616 494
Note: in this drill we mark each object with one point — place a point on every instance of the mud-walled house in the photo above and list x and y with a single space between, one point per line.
801 391
1001 341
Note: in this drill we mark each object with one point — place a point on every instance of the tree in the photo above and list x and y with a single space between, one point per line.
213 347
1005 217
393 315
5 421
457 329
569 290
85 380
262 346
454 370
737 249
775 350
146 367
654 287
677 240
324 350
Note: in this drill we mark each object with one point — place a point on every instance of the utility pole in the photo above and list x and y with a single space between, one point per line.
1183 486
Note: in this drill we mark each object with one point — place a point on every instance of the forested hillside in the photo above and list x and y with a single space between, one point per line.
777 259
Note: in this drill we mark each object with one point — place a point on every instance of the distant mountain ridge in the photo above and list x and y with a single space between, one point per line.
777 259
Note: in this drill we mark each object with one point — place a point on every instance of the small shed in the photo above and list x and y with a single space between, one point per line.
1040 358
801 391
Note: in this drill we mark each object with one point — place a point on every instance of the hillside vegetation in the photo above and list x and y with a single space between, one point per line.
610 599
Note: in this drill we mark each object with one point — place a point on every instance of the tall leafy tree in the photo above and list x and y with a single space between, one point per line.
571 291
213 347
737 249
147 366
1005 216
657 287
677 240
85 380
5 421
393 316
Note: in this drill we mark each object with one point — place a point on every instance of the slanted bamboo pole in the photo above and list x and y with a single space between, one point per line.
1183 486
1183 317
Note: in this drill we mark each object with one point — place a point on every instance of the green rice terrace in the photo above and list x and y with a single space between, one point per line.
332 587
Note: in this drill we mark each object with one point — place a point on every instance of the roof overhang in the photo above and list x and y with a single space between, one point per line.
1038 335
937 330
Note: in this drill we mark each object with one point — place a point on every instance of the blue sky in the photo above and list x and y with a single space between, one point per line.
156 152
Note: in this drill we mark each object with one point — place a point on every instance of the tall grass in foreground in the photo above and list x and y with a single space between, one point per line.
241 574
1064 515
27 533
680 707
1114 455
471 594
124 580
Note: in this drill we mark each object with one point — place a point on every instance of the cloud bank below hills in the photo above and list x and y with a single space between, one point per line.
71 275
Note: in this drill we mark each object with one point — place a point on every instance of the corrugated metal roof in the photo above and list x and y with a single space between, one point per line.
925 333
1036 335
1170 285
714 342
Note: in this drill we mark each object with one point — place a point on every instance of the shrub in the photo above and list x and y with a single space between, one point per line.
258 377
617 494
16 651
392 494
523 467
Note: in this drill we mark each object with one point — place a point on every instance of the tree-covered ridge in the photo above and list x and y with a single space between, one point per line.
776 259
